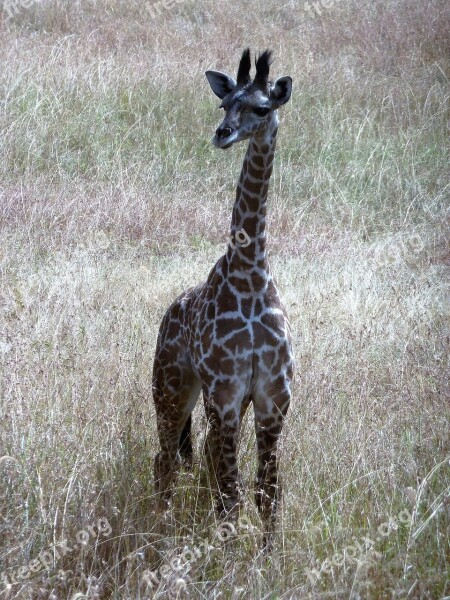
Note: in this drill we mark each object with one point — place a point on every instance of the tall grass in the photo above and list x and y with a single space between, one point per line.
113 200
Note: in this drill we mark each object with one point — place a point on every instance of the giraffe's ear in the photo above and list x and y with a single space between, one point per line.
221 84
280 92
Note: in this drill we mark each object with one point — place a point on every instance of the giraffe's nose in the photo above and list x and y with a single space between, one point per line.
223 132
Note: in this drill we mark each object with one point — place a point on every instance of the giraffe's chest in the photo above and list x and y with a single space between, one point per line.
234 337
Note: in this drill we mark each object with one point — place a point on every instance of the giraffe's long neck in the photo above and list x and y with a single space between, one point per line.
247 249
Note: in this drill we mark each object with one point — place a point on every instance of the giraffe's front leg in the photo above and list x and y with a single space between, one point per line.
269 416
221 452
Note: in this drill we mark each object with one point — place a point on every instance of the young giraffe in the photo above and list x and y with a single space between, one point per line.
230 336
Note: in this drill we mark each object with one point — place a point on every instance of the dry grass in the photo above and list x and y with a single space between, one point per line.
113 200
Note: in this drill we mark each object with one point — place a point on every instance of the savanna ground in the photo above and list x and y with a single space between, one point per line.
113 200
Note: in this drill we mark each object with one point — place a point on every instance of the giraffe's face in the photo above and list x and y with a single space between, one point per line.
249 108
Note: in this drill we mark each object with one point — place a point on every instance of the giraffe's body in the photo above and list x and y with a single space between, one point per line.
229 337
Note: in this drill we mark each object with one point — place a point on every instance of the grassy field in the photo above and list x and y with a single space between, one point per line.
113 200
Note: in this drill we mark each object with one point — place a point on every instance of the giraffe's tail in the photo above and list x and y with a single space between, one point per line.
185 444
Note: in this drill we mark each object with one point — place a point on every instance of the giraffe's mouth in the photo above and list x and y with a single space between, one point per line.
224 143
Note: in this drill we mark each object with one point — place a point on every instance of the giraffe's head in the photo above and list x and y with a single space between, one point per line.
249 105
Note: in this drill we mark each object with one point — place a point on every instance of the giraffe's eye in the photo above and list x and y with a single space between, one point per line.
261 111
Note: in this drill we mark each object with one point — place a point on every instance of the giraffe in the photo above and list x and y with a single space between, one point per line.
230 336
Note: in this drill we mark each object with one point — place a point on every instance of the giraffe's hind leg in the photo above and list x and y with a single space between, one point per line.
175 392
174 431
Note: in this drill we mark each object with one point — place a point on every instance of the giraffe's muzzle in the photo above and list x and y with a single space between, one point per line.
224 137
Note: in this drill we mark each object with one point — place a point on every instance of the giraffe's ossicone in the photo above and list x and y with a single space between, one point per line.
230 336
